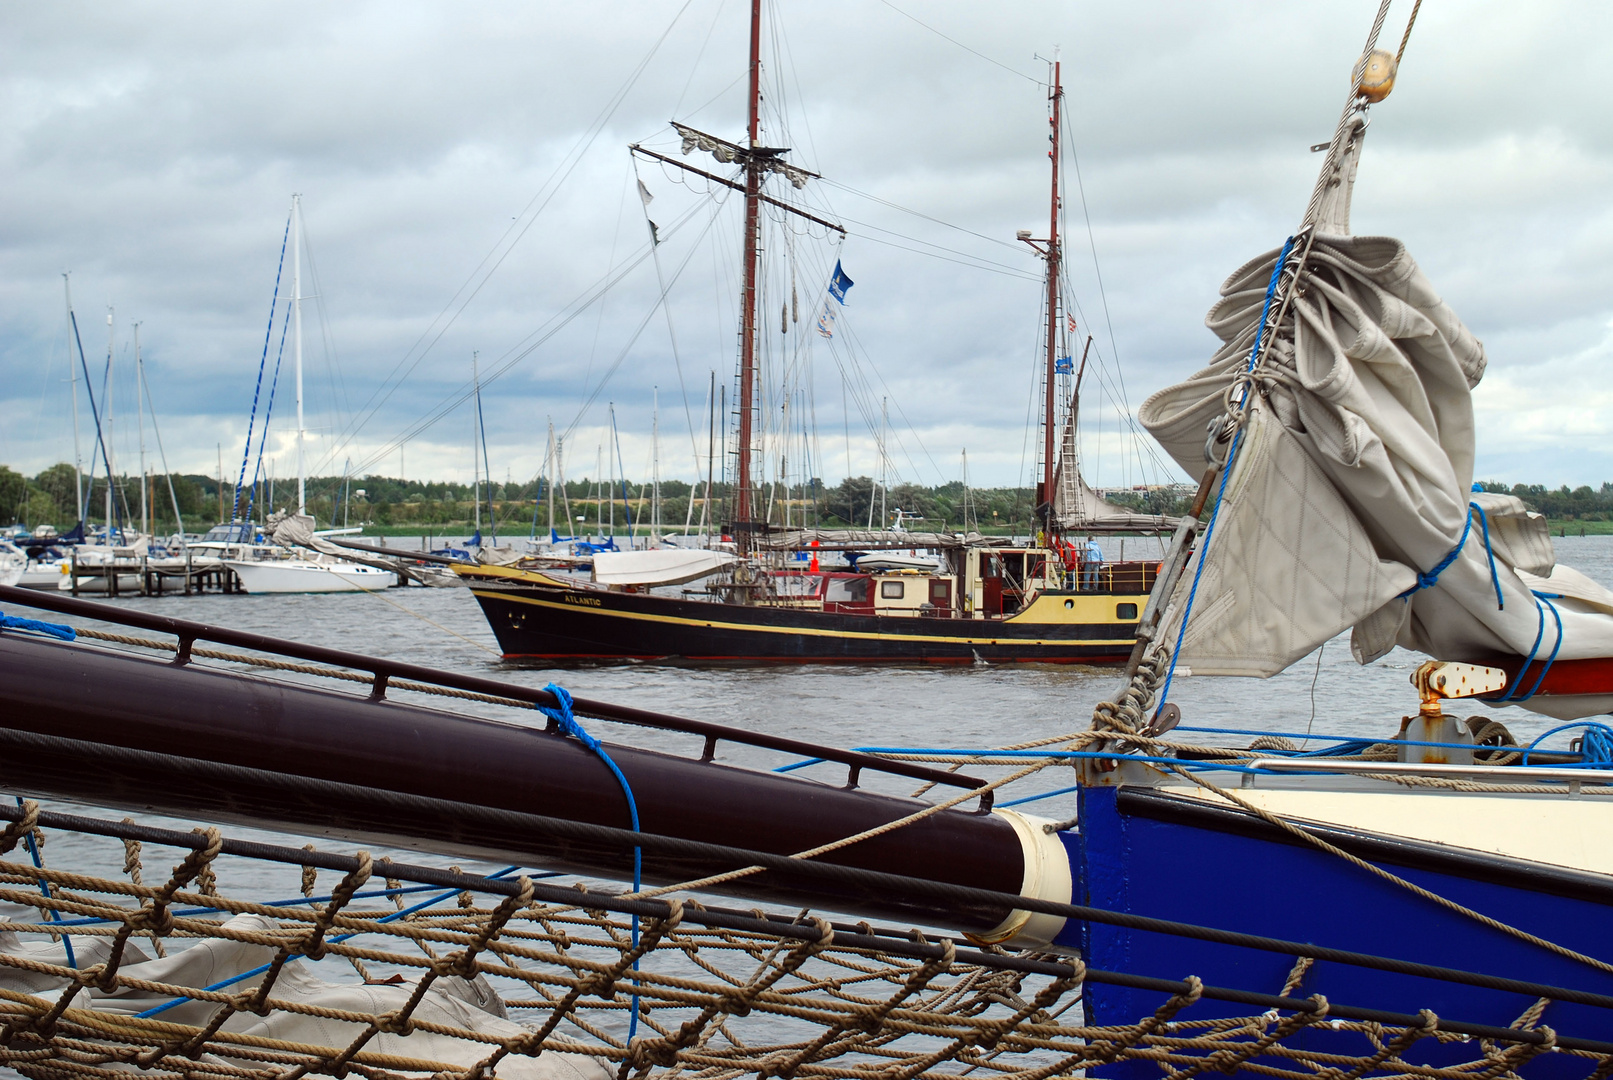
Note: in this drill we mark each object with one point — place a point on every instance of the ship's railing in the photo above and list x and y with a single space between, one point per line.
381 672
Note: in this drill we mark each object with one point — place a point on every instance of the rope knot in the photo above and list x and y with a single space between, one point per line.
157 919
394 1023
563 718
16 830
599 984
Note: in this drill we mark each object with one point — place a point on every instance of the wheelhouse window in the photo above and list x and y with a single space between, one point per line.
853 590
892 590
798 585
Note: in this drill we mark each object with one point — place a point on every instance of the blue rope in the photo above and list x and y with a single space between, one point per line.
1226 470
44 889
1043 795
1596 745
34 626
1534 650
562 716
1431 578
1495 579
268 412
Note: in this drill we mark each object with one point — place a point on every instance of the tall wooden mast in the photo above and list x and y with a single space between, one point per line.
757 161
747 334
1048 420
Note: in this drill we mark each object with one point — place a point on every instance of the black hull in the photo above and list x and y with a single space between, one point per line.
568 624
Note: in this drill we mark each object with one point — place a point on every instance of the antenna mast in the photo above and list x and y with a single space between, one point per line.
108 442
1057 97
72 370
296 319
140 423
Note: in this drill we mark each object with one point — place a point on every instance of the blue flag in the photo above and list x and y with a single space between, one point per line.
839 283
1064 365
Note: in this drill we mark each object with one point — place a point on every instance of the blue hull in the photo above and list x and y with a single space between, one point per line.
1137 853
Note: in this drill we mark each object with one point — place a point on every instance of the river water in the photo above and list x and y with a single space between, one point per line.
920 706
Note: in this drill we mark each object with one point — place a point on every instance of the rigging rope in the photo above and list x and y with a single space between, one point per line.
268 334
1277 271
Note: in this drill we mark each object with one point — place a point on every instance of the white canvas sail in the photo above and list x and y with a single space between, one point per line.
1354 476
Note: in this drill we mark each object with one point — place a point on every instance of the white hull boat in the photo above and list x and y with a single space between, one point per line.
42 575
310 576
13 563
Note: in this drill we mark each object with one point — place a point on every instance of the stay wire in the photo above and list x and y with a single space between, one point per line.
965 48
544 196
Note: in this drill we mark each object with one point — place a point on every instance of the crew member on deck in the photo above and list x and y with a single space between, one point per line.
1091 560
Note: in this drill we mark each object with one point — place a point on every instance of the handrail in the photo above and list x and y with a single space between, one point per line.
385 670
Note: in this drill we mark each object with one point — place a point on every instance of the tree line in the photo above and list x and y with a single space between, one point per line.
48 499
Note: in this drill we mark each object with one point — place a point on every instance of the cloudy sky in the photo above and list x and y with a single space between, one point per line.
467 187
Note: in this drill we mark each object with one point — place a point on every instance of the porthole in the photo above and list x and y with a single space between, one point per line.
1069 605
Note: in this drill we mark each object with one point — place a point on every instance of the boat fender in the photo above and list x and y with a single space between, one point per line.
1047 877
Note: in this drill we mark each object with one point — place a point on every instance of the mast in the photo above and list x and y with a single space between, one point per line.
140 423
711 454
655 470
487 469
1057 97
884 459
560 474
106 446
757 161
475 444
72 370
747 337
553 468
296 320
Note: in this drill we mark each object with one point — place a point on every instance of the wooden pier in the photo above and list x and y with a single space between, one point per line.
159 577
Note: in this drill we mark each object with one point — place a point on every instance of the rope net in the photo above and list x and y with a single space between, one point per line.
103 972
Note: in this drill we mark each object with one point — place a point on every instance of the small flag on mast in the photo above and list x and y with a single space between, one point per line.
826 321
1064 366
839 283
1071 320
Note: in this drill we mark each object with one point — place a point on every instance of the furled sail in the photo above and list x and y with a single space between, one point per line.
658 566
1349 502
1078 508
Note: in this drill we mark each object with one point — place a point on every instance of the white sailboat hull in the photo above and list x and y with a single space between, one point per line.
307 576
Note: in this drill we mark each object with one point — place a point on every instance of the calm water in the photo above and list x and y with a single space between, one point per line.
946 706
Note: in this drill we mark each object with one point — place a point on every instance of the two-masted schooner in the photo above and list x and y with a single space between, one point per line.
977 599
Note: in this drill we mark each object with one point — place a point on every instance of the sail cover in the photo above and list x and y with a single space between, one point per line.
1353 477
658 566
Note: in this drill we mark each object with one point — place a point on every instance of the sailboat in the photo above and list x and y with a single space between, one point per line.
323 571
771 600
